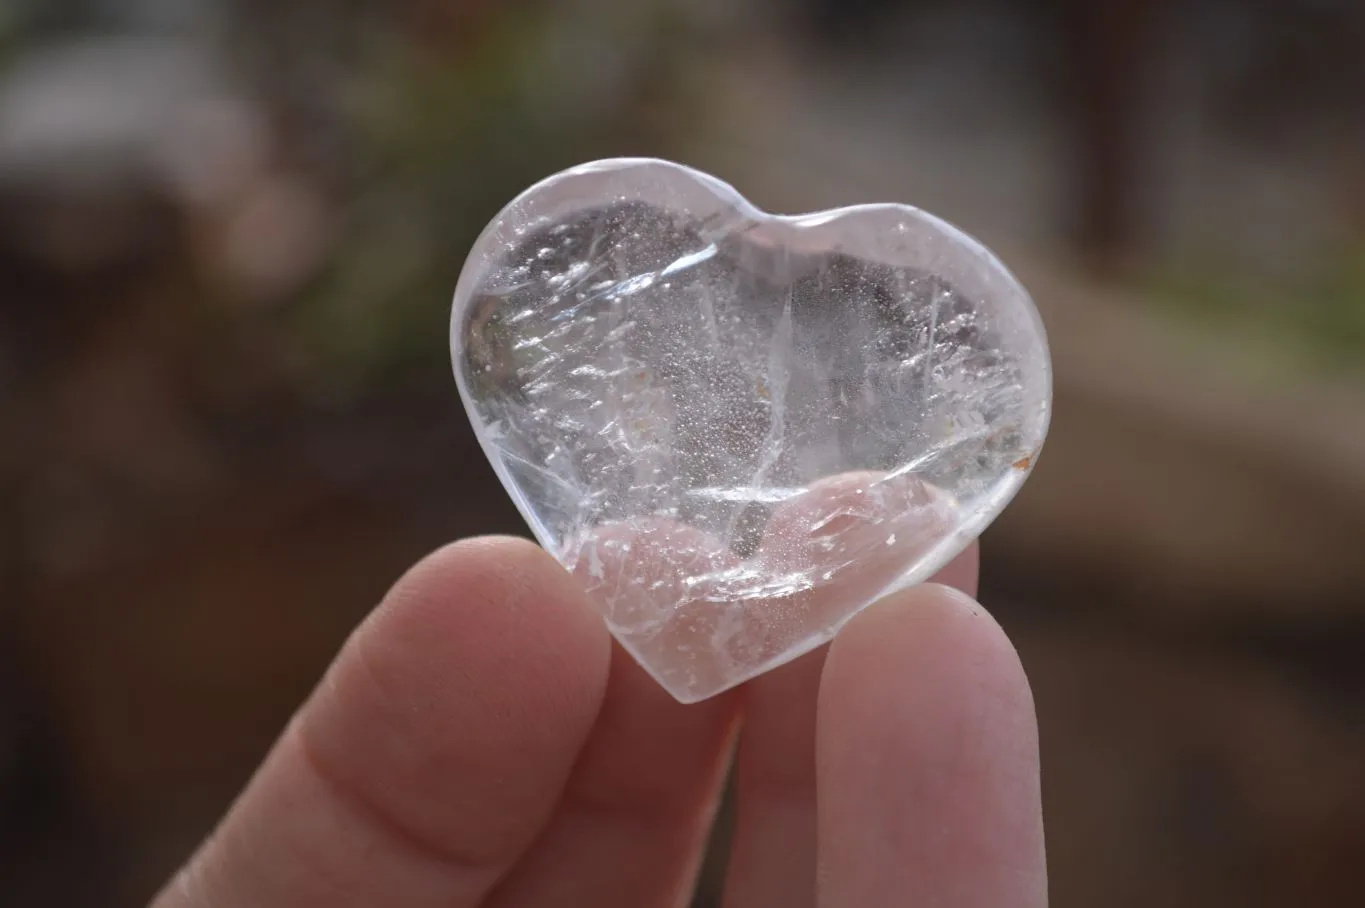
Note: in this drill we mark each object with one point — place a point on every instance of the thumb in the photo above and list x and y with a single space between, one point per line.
433 751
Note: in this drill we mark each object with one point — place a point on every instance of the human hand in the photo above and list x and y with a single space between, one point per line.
479 741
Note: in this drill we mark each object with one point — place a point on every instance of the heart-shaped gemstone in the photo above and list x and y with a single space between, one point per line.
739 429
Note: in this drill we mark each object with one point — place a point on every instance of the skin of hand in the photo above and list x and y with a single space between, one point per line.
479 741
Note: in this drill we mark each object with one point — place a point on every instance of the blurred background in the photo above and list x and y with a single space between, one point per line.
230 231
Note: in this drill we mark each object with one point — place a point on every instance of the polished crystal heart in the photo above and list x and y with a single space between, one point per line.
738 429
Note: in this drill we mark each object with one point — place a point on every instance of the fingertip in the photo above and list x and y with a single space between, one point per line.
468 584
485 660
941 626
492 624
945 645
505 590
435 749
927 758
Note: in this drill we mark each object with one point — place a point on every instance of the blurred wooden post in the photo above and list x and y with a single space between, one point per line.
447 26
1107 47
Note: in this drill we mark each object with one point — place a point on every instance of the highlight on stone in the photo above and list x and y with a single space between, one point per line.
738 429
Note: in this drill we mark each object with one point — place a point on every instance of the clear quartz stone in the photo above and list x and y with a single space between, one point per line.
738 429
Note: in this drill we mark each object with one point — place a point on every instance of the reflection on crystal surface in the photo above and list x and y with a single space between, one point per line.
737 429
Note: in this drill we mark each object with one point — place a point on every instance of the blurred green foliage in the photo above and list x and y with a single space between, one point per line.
1315 321
442 142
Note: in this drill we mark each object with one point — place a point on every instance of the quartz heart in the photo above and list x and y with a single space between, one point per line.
738 429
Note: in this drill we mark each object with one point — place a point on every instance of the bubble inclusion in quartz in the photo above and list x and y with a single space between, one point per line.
738 429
